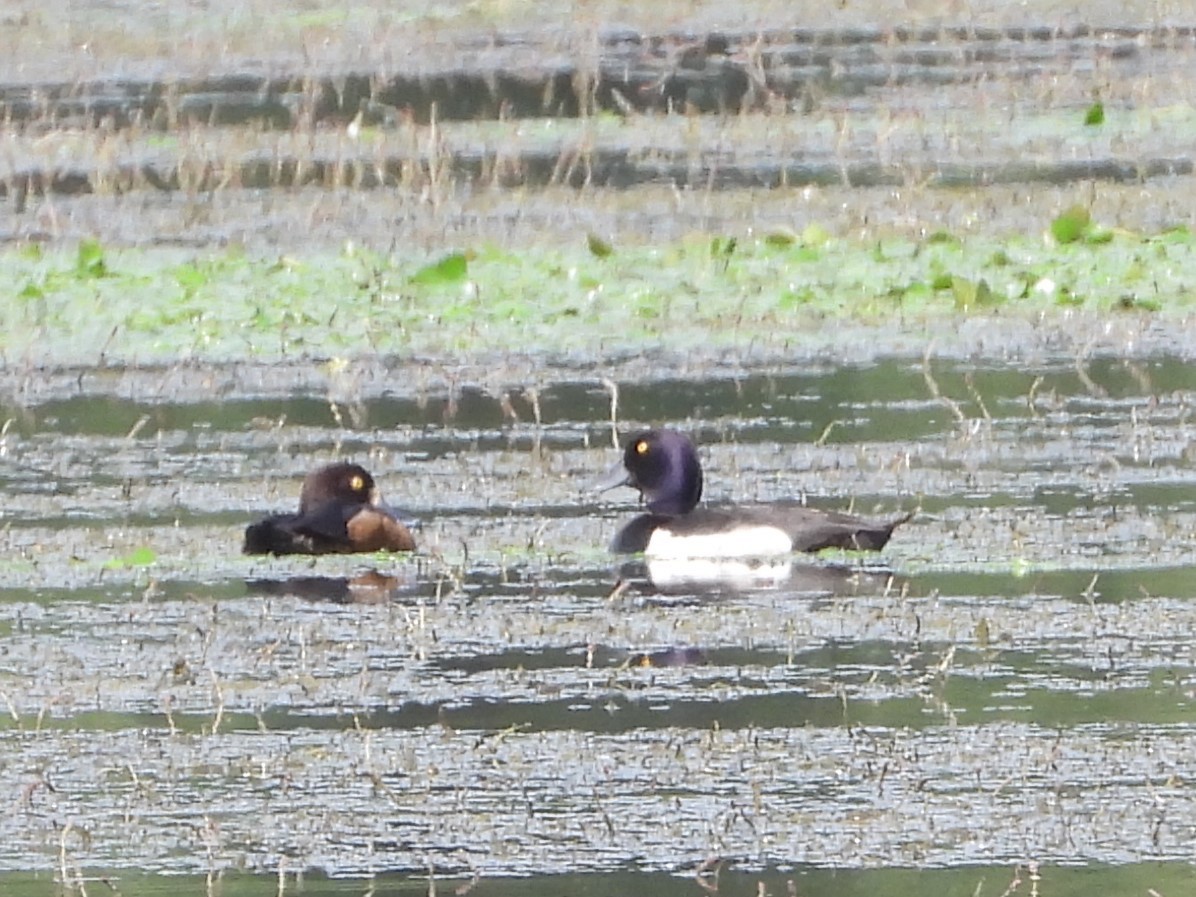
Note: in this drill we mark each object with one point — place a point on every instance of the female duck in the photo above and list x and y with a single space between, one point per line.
340 512
664 467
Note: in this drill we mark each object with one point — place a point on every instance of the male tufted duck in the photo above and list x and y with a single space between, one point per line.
664 467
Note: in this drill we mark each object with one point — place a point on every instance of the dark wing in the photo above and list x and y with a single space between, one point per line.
323 531
809 528
274 535
328 523
814 530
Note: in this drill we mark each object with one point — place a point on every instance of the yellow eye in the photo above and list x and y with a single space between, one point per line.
356 483
641 447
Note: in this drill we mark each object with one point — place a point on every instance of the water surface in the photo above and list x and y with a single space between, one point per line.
1009 683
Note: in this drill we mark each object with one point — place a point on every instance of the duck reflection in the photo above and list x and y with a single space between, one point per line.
712 576
371 587
678 656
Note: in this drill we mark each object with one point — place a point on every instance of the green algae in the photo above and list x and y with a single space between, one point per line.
131 306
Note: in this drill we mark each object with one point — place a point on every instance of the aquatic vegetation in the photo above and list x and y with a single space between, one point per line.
138 557
163 305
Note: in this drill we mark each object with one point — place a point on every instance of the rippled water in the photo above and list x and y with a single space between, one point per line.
1009 683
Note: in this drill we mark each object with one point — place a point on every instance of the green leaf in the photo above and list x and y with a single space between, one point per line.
780 237
1067 296
792 298
138 557
815 235
89 262
648 306
1071 225
942 280
450 269
599 247
190 277
964 291
984 294
973 294
1095 115
1177 233
1133 303
723 247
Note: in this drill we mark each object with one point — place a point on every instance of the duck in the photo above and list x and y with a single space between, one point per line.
341 511
664 466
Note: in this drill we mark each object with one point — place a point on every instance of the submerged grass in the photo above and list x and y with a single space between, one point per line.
93 306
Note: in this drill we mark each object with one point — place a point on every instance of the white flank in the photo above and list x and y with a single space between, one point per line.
741 542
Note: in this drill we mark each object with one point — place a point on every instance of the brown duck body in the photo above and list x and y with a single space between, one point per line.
340 512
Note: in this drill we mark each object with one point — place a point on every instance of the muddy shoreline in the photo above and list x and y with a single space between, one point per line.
537 123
